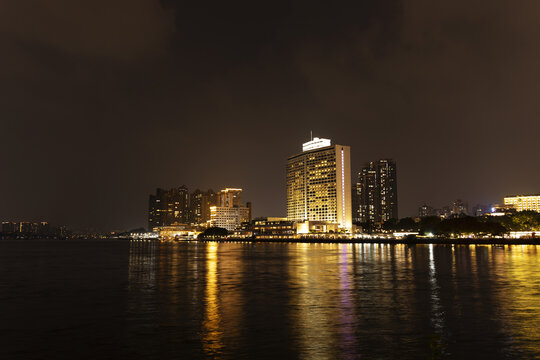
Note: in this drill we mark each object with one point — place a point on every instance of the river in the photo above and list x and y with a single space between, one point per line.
151 300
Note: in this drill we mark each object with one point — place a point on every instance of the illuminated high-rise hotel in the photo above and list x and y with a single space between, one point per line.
319 184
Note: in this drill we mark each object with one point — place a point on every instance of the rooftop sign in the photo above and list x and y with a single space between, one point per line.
316 143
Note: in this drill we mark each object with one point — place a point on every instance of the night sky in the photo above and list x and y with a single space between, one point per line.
102 101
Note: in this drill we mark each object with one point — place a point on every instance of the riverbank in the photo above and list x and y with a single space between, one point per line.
416 241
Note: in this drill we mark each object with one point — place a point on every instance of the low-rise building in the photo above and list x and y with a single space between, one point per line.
321 227
523 202
177 232
273 228
228 218
501 210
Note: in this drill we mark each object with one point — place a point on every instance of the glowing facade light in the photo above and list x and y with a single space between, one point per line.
524 202
319 185
316 143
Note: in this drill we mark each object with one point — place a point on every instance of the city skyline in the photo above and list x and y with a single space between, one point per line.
99 108
414 212
289 179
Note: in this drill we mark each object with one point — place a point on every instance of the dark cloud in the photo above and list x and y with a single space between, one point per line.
119 29
102 102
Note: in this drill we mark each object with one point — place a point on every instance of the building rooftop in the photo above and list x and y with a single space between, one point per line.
316 143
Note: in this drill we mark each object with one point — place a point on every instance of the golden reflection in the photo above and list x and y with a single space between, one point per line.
336 291
520 299
334 284
313 272
512 270
213 334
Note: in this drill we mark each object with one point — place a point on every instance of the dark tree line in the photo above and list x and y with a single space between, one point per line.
485 225
213 233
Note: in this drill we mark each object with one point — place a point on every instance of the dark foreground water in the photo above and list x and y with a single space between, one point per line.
146 300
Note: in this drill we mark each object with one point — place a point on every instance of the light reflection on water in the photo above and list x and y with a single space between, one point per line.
212 340
322 301
148 300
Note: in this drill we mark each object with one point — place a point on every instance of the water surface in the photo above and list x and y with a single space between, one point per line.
151 300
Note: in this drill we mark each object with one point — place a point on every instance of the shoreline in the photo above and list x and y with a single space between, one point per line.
535 241
438 241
